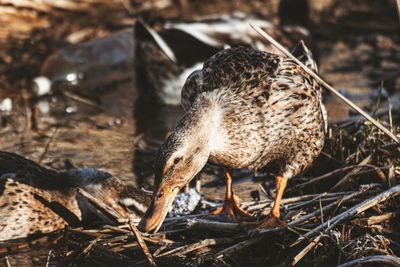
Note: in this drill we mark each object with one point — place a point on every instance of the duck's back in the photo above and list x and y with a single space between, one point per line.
238 70
272 109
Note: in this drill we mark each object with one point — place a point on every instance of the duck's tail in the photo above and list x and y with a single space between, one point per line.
304 54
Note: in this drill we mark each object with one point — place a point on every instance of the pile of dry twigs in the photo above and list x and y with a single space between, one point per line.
346 214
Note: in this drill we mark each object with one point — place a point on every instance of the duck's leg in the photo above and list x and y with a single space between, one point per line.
231 207
273 219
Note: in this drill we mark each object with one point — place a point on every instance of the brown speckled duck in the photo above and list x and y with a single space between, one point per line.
244 109
34 199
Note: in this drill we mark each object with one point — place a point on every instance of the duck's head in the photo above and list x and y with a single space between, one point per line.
183 154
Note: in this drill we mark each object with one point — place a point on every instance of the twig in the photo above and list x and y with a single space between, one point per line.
143 245
204 243
356 210
245 243
104 251
328 175
106 210
7 261
213 225
82 100
347 177
285 201
48 258
263 190
381 260
375 219
237 247
318 198
90 245
322 82
324 209
46 149
306 250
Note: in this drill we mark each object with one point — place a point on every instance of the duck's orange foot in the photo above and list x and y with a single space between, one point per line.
231 209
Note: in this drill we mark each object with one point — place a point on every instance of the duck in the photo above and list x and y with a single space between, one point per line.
37 200
165 55
244 108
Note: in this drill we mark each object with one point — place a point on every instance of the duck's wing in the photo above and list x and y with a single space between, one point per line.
230 69
260 77
304 54
192 88
23 211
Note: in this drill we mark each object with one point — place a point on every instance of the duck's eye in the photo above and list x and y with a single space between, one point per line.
176 161
160 194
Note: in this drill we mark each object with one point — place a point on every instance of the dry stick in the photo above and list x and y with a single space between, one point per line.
124 246
90 245
244 244
212 225
90 233
347 177
251 206
46 149
48 258
325 176
160 249
106 210
82 100
154 240
322 82
239 246
306 250
372 220
198 245
356 210
325 209
7 261
315 241
102 250
299 205
143 245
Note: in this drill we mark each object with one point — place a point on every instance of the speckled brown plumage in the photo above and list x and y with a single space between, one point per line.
244 109
272 109
34 199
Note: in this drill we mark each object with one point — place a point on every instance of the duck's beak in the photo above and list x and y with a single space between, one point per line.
159 206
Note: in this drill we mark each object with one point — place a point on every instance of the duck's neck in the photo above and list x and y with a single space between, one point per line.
202 124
